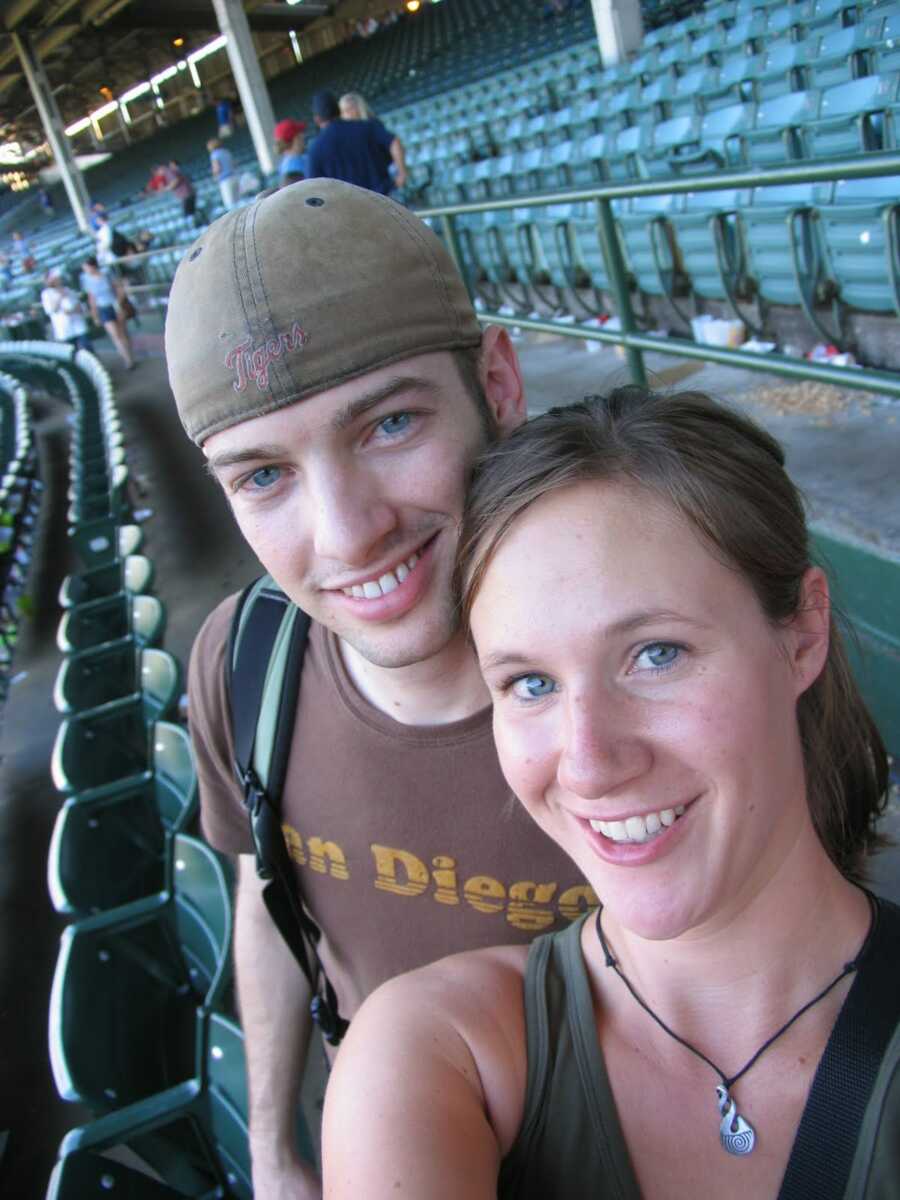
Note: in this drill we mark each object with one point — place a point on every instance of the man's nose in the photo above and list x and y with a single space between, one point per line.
351 514
603 748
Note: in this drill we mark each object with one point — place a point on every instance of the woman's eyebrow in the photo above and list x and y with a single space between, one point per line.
627 624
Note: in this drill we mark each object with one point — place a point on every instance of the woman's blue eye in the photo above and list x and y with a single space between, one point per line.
659 655
396 423
533 687
265 477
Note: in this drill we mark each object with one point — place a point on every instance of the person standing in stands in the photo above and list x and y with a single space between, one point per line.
289 142
105 297
360 152
66 312
223 172
340 391
181 187
353 107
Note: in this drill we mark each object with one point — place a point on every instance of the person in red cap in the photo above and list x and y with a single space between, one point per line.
289 142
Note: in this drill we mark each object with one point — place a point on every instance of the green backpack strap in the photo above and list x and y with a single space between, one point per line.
265 658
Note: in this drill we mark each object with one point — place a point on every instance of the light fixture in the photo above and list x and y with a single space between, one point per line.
179 41
412 5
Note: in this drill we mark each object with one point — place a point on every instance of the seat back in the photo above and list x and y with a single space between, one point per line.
96 676
160 682
201 887
174 774
101 747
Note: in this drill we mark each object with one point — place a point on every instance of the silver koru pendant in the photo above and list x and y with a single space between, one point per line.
735 1134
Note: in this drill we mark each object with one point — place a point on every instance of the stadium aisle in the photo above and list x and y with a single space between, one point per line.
199 558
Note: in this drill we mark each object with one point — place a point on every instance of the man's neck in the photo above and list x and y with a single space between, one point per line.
444 688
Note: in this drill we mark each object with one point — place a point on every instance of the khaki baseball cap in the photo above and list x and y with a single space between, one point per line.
315 284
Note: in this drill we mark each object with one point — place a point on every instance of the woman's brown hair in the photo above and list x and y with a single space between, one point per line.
726 476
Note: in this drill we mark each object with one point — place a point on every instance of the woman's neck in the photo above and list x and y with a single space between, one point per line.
727 985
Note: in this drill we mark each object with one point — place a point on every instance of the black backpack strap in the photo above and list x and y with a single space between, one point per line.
265 658
826 1141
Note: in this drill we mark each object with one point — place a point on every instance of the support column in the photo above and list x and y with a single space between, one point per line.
248 76
48 111
620 29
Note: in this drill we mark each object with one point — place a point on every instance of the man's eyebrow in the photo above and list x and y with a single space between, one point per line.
392 387
634 621
232 458
351 412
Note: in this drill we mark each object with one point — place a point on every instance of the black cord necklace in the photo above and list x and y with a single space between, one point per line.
735 1133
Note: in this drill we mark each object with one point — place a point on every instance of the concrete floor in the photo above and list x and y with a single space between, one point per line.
844 456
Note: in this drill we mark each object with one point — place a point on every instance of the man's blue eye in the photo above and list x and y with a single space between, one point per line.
660 654
396 423
533 687
265 477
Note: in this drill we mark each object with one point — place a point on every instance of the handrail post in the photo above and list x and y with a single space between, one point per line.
448 228
615 269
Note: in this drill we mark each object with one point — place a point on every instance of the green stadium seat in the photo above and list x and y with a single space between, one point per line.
851 119
650 251
624 155
110 618
676 142
841 55
102 747
781 128
133 574
587 164
784 68
785 253
861 229
194 1135
128 982
709 242
887 55
83 1175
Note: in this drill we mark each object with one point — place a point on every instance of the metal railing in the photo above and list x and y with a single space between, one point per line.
629 337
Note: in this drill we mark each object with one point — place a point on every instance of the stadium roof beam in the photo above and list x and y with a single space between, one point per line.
620 28
73 180
248 76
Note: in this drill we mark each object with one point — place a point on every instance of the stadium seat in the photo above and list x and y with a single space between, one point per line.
650 249
86 1174
194 1135
128 982
781 127
110 618
709 242
114 670
785 253
851 118
107 845
102 747
133 574
861 229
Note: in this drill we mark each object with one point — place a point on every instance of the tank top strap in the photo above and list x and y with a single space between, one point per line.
570 1143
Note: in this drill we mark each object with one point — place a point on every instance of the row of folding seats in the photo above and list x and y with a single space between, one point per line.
20 496
848 119
832 245
139 1030
677 111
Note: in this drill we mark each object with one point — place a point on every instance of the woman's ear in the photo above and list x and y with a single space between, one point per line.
808 631
501 379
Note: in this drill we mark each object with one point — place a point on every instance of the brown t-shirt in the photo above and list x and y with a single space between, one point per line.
406 841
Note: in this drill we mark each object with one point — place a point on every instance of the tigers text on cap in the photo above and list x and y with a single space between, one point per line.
315 284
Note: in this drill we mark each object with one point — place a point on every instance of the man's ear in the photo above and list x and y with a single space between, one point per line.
501 379
808 631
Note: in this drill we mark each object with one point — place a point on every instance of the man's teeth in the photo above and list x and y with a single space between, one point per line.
638 829
373 588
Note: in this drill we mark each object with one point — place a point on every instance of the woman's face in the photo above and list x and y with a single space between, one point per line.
349 110
644 707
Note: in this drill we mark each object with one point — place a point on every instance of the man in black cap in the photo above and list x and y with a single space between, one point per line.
359 152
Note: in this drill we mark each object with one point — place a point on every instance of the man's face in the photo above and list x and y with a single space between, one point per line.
351 500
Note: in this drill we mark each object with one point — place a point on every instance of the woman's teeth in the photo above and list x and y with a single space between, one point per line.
373 588
638 829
